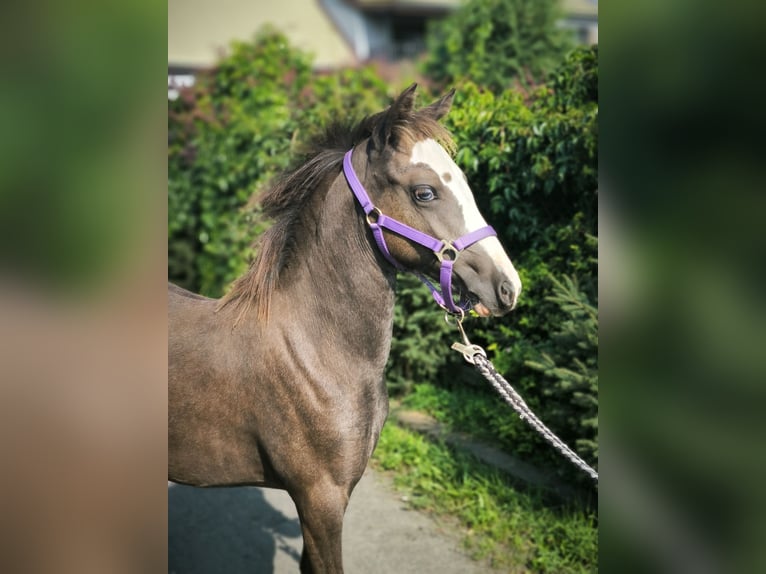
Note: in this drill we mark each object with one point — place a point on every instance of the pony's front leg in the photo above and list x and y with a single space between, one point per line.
321 508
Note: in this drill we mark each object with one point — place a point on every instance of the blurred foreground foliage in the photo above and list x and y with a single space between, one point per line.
531 158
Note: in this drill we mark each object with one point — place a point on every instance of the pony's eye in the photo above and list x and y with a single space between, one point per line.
424 193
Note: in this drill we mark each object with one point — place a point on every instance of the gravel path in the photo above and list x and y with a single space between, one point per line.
238 530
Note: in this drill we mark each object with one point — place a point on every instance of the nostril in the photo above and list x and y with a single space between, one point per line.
507 293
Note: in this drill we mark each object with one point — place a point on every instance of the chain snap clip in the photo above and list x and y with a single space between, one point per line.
466 348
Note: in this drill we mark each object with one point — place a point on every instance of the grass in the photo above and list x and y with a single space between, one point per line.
483 415
516 532
477 411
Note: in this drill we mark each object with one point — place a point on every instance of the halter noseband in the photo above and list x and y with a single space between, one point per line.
447 252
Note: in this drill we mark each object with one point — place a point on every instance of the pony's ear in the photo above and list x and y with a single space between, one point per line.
440 107
401 107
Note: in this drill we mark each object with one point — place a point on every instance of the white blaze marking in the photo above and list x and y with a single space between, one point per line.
432 154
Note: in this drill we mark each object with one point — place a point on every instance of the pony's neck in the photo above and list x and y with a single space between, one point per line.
338 276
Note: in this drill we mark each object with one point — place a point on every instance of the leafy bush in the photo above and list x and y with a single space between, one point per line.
533 165
531 160
227 136
494 42
570 360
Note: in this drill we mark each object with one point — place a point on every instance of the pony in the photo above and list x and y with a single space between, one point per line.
280 383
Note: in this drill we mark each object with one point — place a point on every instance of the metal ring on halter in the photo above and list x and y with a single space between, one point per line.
448 252
372 220
449 314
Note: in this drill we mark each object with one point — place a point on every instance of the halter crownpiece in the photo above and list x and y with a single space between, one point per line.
447 252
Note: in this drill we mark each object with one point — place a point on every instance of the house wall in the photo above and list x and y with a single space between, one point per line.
198 30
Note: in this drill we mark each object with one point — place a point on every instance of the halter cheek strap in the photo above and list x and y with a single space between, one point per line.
447 252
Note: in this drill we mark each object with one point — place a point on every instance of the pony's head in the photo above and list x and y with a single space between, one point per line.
406 169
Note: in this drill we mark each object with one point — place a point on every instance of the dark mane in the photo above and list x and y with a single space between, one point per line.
285 200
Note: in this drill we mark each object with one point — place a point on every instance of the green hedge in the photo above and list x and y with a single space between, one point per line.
531 160
498 43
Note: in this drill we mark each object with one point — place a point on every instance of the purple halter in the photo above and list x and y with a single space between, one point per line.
447 252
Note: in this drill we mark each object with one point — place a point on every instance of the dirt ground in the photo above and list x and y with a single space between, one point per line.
238 530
